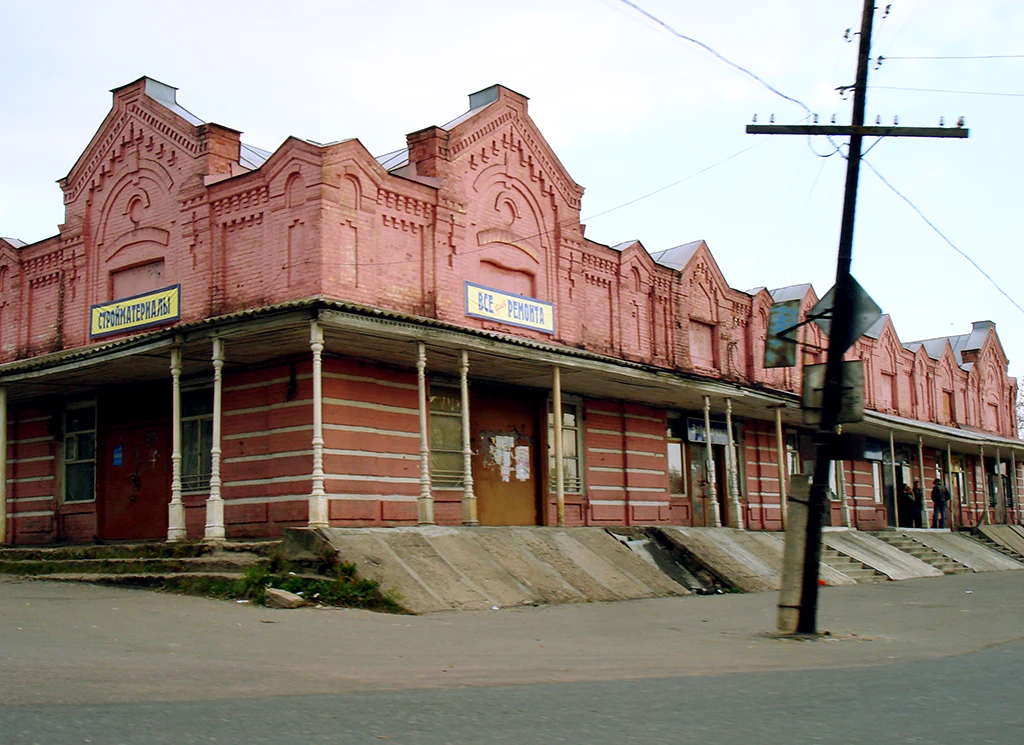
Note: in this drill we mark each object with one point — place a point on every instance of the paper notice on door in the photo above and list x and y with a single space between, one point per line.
504 442
506 464
522 453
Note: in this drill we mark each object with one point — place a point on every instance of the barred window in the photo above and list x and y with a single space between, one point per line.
446 460
196 439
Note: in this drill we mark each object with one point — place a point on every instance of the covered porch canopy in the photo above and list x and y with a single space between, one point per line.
320 326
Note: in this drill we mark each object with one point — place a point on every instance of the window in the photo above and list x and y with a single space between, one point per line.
876 481
793 463
446 464
80 453
957 482
571 446
196 439
834 487
676 472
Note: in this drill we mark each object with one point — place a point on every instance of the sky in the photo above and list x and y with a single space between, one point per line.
628 107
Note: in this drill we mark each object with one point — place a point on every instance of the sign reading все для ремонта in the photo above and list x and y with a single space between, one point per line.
506 307
137 312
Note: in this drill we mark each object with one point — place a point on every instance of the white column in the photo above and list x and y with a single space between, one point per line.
215 503
469 514
556 420
1000 497
924 490
892 472
318 495
3 466
949 488
984 489
844 503
780 453
425 503
176 509
709 465
732 470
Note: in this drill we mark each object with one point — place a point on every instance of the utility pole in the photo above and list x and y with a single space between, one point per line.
827 438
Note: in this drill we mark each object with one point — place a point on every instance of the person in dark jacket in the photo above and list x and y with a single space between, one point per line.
940 498
918 502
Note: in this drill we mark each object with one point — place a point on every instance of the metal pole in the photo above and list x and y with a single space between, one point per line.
780 453
469 514
425 503
733 471
556 419
318 514
840 331
176 509
920 476
215 503
709 461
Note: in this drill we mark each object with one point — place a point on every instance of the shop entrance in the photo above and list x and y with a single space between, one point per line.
135 482
703 480
505 454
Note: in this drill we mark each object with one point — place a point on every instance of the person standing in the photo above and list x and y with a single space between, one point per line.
940 498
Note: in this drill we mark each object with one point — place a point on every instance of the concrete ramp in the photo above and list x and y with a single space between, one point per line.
1018 529
878 555
747 560
437 568
964 550
1005 536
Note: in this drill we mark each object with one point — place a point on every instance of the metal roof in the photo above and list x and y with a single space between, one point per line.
792 292
676 258
252 157
395 159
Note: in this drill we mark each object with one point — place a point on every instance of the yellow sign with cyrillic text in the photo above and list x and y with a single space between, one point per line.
505 307
134 313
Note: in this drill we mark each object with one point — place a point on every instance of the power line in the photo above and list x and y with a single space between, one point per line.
943 90
979 56
943 235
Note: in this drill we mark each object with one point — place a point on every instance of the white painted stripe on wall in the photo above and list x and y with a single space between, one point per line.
645 454
371 454
267 456
611 451
28 440
31 460
382 497
30 479
274 431
644 435
641 503
370 430
269 407
366 379
271 480
623 502
594 431
606 469
266 383
613 502
18 500
267 500
651 471
31 419
657 489
372 406
16 515
385 479
594 487
643 418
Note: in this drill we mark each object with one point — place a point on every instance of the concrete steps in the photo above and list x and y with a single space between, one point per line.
909 545
855 570
984 540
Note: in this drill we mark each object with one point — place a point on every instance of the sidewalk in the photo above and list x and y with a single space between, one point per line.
69 643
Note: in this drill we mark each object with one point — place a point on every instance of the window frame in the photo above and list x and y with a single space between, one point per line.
577 403
66 461
672 439
201 483
440 478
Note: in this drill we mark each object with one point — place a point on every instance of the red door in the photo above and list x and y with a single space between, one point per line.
135 482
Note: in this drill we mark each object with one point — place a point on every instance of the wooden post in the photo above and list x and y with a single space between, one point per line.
780 453
425 503
176 509
215 503
318 506
556 419
469 513
709 464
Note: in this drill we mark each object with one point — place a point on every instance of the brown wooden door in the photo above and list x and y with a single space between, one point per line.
505 455
135 485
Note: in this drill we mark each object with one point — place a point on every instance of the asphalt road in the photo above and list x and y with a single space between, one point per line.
923 661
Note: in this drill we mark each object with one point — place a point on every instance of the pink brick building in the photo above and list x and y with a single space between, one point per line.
223 341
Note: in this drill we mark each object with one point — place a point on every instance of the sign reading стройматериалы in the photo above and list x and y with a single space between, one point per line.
506 307
137 312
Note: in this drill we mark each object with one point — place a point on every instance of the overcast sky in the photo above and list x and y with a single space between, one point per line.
627 107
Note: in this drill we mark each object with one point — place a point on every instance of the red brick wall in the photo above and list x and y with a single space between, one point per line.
31 481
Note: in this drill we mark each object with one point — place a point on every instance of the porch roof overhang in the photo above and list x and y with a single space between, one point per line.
258 336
